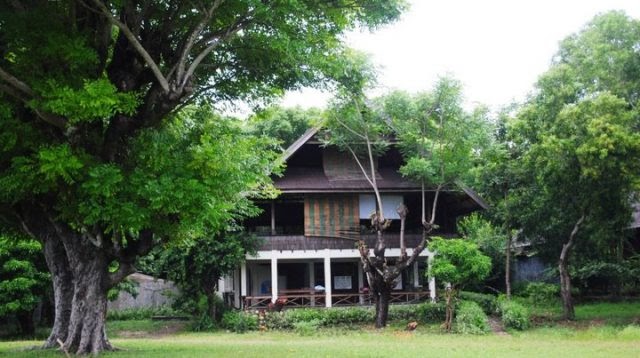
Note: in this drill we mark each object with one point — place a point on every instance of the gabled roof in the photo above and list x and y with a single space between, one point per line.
299 143
309 180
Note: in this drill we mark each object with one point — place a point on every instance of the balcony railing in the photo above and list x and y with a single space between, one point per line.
312 298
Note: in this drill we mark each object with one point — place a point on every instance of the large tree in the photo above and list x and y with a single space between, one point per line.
95 162
578 138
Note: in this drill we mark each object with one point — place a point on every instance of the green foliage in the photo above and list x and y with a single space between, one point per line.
127 285
458 262
23 276
284 124
470 319
436 135
490 240
596 274
487 302
96 100
306 328
513 314
541 292
349 317
239 322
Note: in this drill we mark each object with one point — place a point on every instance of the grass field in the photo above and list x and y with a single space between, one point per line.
602 330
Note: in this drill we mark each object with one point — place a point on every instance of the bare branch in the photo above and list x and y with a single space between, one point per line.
364 171
16 83
435 204
124 270
135 43
213 44
192 38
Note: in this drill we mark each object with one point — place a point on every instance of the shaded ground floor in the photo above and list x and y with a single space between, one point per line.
307 278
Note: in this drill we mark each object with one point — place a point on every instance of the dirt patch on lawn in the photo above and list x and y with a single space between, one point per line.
497 327
166 329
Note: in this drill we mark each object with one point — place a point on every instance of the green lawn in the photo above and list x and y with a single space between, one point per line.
543 342
601 330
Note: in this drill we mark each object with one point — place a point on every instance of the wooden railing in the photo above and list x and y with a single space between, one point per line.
312 298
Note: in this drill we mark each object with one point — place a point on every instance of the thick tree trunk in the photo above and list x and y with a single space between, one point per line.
62 280
86 333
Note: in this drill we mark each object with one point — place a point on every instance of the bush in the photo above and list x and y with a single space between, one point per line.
431 312
279 320
540 292
471 319
306 328
487 302
291 319
347 316
514 315
239 322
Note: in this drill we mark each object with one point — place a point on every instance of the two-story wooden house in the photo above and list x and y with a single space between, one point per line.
311 230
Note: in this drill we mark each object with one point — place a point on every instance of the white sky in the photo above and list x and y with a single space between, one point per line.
497 48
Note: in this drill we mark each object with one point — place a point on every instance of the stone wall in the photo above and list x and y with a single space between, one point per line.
152 293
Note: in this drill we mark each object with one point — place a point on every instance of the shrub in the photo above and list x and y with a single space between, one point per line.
471 319
203 323
239 322
514 315
306 328
431 312
487 302
347 316
540 292
279 320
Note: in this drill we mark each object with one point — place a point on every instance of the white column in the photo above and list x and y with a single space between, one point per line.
416 272
243 284
274 279
432 281
327 278
312 282
243 279
360 282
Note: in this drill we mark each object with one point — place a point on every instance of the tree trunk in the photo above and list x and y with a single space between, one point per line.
448 321
62 279
87 333
382 307
568 311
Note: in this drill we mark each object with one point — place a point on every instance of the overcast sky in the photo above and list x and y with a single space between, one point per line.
497 48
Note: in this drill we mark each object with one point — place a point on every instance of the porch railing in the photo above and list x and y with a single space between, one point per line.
308 298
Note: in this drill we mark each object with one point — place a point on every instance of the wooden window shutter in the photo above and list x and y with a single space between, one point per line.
332 216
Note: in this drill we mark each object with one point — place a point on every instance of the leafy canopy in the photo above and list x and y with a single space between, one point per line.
458 262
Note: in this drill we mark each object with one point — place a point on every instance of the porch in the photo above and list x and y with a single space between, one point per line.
322 278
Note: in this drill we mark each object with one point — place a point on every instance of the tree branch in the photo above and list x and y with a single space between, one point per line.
213 44
135 43
16 83
191 39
